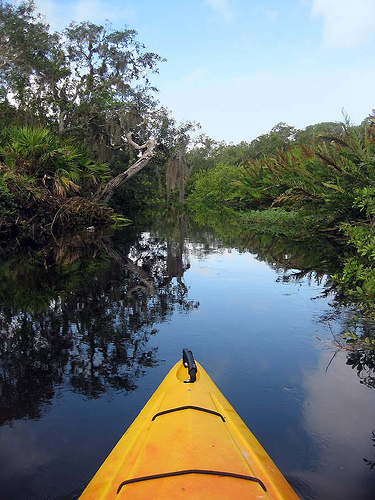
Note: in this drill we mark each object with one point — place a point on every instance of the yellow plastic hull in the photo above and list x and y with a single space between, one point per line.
189 452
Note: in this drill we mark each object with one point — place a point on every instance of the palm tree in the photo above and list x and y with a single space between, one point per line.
58 165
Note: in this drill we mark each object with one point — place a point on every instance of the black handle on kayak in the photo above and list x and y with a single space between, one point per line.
189 363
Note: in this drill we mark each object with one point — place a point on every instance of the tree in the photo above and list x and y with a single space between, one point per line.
167 140
107 93
208 153
276 139
203 153
286 132
318 132
105 193
91 84
27 53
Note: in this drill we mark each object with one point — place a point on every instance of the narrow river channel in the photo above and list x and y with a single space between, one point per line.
89 329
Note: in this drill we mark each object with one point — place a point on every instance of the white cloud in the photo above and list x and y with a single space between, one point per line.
223 8
333 419
59 14
347 23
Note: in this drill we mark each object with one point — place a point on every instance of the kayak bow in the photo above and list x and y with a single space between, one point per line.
188 440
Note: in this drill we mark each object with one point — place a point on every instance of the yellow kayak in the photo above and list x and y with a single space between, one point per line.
188 442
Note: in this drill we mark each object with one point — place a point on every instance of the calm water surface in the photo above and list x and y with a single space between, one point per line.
86 342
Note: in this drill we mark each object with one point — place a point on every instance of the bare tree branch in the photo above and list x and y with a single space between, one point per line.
104 194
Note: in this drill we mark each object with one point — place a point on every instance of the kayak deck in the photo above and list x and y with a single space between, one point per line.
188 440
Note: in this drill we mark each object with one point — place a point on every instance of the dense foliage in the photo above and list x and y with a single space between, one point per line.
88 85
322 181
89 82
45 182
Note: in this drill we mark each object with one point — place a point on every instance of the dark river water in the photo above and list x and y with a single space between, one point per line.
89 328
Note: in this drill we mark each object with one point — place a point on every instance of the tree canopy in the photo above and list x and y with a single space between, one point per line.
89 82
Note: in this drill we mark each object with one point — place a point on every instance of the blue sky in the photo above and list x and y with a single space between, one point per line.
238 67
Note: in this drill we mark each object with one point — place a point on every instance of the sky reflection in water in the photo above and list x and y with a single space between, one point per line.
257 335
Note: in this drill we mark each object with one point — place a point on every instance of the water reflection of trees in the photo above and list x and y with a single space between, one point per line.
363 361
371 463
81 312
311 257
356 337
312 260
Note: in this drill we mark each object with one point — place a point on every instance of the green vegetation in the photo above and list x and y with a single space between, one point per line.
220 186
89 86
315 183
79 119
45 182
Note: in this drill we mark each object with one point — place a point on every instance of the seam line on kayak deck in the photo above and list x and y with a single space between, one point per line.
192 471
179 408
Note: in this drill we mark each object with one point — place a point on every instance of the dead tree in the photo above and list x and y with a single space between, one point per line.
105 193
